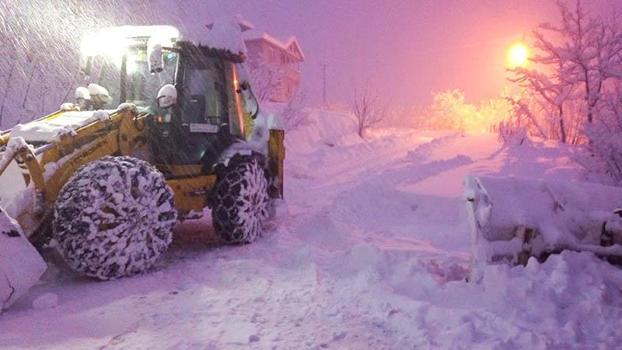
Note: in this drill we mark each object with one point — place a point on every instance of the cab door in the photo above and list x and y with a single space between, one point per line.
202 130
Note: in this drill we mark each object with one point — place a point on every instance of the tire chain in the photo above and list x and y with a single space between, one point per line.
240 199
114 218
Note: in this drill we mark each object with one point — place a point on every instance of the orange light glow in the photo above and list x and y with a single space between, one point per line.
518 56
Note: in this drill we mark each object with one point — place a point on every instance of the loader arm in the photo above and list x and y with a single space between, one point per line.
49 165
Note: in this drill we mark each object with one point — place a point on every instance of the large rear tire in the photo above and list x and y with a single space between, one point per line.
114 218
240 199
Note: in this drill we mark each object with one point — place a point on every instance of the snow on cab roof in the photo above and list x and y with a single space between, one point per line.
128 31
111 39
226 34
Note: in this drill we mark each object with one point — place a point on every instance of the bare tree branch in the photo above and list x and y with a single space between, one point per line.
367 110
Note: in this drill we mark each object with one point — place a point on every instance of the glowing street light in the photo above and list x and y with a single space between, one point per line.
518 56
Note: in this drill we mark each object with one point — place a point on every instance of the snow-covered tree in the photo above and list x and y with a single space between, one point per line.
449 110
575 83
265 78
574 63
293 114
550 83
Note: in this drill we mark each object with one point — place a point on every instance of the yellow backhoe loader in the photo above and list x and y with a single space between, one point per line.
165 128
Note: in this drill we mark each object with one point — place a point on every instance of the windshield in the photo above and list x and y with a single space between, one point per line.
204 91
139 86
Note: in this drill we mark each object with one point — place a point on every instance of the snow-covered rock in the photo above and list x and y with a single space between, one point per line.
20 263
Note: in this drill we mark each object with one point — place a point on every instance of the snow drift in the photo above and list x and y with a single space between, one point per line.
370 251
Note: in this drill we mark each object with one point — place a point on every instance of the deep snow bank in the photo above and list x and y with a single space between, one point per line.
370 252
572 299
322 128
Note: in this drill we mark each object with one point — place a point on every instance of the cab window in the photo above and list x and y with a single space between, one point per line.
204 92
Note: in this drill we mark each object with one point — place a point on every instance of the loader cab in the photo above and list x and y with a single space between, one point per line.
209 112
211 105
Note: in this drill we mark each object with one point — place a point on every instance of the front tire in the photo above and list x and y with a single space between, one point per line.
240 199
114 218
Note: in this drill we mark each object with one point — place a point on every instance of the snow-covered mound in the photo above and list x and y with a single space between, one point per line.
573 299
323 128
20 263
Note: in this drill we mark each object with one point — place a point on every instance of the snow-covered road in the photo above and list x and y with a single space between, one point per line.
369 251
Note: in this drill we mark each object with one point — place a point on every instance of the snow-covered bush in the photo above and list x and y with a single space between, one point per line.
293 115
449 110
491 113
512 134
606 150
604 134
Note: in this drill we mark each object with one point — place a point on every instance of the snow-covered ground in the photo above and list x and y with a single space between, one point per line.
369 251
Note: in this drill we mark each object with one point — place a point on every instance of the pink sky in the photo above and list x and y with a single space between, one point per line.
406 49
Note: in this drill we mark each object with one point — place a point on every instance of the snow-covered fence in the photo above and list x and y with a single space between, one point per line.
513 219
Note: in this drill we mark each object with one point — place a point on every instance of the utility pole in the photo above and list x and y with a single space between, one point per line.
324 84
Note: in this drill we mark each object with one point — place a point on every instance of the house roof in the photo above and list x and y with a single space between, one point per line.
291 46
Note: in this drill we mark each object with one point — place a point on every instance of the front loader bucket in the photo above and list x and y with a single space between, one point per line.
21 266
514 219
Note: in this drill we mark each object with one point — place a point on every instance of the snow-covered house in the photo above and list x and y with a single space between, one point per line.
281 58
275 60
274 64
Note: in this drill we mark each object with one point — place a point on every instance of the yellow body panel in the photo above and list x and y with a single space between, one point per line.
191 193
276 155
124 134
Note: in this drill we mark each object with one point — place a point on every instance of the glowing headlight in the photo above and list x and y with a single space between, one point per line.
112 42
108 42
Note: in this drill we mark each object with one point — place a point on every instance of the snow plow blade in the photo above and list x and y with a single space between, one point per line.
514 219
21 266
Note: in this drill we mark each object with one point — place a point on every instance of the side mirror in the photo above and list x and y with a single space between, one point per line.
167 96
156 59
250 98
